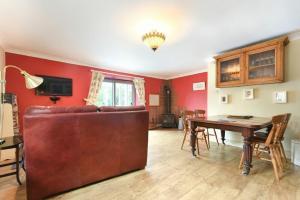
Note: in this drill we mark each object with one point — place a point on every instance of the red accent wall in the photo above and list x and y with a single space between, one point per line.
81 76
183 95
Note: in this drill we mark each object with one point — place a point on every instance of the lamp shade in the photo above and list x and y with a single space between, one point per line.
31 81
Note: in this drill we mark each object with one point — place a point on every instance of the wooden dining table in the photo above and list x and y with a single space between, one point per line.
246 127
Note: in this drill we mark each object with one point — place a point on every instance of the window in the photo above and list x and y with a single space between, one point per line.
117 93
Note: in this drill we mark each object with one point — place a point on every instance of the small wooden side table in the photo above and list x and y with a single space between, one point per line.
11 143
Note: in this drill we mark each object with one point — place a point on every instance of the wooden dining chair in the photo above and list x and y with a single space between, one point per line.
271 145
188 114
200 131
281 138
201 114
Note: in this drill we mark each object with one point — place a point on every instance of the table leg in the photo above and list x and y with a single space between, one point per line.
17 164
247 148
223 136
193 138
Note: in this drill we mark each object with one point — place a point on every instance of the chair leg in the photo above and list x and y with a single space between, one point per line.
183 139
278 158
241 161
216 137
207 146
278 154
208 141
197 143
282 153
255 149
274 163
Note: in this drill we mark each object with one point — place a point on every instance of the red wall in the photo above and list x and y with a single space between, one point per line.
81 76
185 97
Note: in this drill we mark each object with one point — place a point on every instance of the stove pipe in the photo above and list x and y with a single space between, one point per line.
167 100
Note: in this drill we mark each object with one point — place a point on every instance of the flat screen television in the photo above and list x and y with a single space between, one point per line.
54 86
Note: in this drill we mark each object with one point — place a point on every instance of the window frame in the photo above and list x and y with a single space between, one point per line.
114 81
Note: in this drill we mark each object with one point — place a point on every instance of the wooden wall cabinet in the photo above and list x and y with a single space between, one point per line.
256 64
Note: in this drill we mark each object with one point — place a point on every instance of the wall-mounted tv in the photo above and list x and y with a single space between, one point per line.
54 86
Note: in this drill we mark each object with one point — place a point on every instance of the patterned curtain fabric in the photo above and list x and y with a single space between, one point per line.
12 99
139 85
10 123
15 115
96 82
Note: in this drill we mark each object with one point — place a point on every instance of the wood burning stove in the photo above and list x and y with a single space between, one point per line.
168 119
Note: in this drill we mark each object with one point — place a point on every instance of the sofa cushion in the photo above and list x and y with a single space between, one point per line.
35 110
120 108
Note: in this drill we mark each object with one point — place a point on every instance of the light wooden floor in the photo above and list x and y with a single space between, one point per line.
174 174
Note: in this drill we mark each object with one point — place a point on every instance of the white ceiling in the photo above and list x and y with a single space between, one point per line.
107 34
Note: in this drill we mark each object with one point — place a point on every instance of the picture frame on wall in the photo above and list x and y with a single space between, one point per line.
224 98
199 86
248 94
153 100
280 97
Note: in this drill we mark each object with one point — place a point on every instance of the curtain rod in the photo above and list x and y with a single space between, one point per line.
115 74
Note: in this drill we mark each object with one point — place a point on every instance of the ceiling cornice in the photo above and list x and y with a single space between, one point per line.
70 61
294 35
44 56
188 74
1 44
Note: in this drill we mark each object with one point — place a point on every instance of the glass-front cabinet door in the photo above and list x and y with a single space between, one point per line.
262 65
229 71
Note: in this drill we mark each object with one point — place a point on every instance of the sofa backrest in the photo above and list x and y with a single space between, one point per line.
66 150
36 110
120 108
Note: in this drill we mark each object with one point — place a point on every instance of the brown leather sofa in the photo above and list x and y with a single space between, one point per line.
69 147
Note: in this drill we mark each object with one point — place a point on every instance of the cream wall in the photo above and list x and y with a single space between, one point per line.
2 57
7 120
263 104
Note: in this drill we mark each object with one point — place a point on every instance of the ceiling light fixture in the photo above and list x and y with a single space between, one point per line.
154 39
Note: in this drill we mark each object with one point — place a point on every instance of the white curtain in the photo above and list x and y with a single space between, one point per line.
139 85
95 86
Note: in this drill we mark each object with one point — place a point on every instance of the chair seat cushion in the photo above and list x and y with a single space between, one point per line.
258 139
261 134
200 129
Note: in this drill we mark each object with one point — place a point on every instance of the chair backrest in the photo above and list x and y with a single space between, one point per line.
287 119
200 113
279 125
187 115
